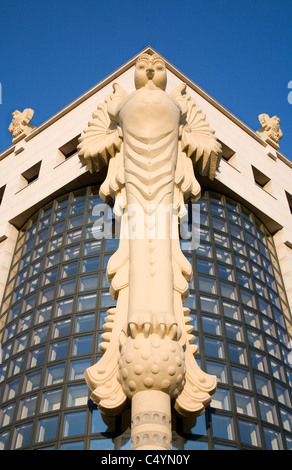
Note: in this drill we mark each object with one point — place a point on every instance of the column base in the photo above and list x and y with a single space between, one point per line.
151 421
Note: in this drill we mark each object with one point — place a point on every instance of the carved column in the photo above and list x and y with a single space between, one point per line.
151 421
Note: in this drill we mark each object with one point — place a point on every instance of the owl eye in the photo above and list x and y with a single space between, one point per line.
141 65
159 65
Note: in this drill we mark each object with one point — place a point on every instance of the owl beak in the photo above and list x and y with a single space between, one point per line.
150 72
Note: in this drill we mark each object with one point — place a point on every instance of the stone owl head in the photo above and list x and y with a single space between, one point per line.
150 72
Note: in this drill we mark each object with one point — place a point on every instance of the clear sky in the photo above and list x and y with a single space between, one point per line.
238 51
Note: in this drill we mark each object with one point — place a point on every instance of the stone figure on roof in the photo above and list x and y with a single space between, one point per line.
21 125
270 130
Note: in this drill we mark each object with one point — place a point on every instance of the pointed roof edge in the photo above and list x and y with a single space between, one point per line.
124 68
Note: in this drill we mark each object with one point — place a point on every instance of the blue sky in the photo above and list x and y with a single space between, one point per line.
238 51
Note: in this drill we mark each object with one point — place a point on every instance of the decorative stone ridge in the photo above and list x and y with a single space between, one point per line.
21 125
151 141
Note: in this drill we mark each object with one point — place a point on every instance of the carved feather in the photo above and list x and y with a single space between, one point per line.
197 138
102 139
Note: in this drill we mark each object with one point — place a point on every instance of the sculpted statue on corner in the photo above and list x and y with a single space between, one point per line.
21 125
270 130
153 142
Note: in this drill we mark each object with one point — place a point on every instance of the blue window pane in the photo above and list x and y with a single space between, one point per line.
273 439
82 345
69 269
208 304
58 350
84 323
58 228
91 248
9 332
51 400
50 276
74 424
27 407
32 381
98 425
47 429
72 446
112 244
4 440
237 353
6 415
196 445
190 302
222 426
67 287
107 300
88 282
211 325
60 214
217 369
214 348
74 236
79 207
76 221
102 444
71 252
61 328
52 260
205 267
22 436
86 302
249 433
24 323
64 307
78 368
90 264
258 361
55 374
43 314
47 295
222 447
16 365
77 395
36 357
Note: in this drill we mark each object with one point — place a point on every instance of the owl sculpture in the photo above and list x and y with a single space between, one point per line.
153 144
21 122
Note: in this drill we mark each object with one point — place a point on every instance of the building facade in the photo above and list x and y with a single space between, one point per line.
55 294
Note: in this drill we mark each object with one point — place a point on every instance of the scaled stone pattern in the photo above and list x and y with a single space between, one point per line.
152 142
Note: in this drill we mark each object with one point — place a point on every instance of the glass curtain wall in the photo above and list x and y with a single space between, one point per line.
54 307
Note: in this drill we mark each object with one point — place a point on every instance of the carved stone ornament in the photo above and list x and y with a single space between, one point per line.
21 125
151 142
270 131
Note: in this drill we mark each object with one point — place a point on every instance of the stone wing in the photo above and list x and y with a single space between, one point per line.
102 138
264 120
198 141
